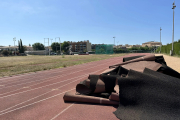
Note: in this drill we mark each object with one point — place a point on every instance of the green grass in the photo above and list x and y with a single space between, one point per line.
24 64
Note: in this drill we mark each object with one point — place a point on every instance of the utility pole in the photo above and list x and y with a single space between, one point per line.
48 45
51 41
173 28
114 39
59 43
160 39
117 44
14 39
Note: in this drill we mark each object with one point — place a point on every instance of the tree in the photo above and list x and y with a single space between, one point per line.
19 45
5 53
65 46
38 46
179 40
55 46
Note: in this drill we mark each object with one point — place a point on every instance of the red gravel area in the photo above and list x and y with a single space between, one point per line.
39 96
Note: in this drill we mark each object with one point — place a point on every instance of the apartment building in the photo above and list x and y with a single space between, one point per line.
151 43
80 46
9 48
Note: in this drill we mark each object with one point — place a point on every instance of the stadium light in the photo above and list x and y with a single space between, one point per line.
174 6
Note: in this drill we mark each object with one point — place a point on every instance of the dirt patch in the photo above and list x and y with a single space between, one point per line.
173 62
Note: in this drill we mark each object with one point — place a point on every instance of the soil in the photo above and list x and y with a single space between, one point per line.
173 62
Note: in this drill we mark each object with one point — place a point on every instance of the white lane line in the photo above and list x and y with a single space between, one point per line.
62 112
54 70
36 102
35 80
48 80
41 75
39 95
46 93
41 86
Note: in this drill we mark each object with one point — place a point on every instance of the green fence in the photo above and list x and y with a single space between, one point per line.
104 49
166 48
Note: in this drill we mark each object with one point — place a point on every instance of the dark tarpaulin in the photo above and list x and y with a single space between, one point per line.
144 86
148 96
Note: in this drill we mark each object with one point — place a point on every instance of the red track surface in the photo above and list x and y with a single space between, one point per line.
39 96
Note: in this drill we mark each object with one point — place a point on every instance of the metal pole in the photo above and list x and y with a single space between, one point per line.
114 40
173 28
14 39
60 45
48 46
51 41
173 34
160 39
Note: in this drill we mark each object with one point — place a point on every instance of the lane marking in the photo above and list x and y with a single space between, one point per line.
62 112
54 89
35 102
46 81
37 80
40 100
54 70
44 93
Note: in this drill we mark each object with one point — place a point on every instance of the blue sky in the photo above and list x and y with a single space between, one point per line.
131 21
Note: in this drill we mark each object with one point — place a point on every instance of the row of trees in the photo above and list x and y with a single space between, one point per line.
140 49
55 46
166 48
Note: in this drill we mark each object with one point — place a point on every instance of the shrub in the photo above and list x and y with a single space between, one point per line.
5 53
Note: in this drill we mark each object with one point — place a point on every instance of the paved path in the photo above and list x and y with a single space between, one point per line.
39 96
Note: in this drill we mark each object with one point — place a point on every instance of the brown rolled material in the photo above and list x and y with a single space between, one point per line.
84 89
114 96
141 65
72 97
144 58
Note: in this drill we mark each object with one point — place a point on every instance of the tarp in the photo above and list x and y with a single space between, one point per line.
143 87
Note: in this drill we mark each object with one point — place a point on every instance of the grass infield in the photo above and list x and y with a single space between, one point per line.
24 64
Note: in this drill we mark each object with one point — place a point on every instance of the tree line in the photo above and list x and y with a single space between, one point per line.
55 46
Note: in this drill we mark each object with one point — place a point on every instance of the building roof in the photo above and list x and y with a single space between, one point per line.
150 42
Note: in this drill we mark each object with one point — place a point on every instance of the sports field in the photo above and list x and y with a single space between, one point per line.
24 64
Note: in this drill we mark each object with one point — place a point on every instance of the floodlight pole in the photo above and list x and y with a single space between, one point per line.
114 40
14 39
51 41
48 45
173 28
160 39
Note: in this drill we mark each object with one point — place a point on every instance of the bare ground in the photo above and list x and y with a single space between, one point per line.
173 62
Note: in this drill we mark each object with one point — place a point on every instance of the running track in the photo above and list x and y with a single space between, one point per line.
39 96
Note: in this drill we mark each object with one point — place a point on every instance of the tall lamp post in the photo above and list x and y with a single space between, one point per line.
14 39
173 27
160 39
114 40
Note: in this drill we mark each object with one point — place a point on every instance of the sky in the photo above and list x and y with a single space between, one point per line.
130 21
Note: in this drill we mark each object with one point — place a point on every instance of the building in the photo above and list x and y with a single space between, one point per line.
80 46
29 48
12 48
151 43
93 46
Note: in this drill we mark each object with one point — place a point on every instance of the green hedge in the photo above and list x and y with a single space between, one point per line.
166 48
